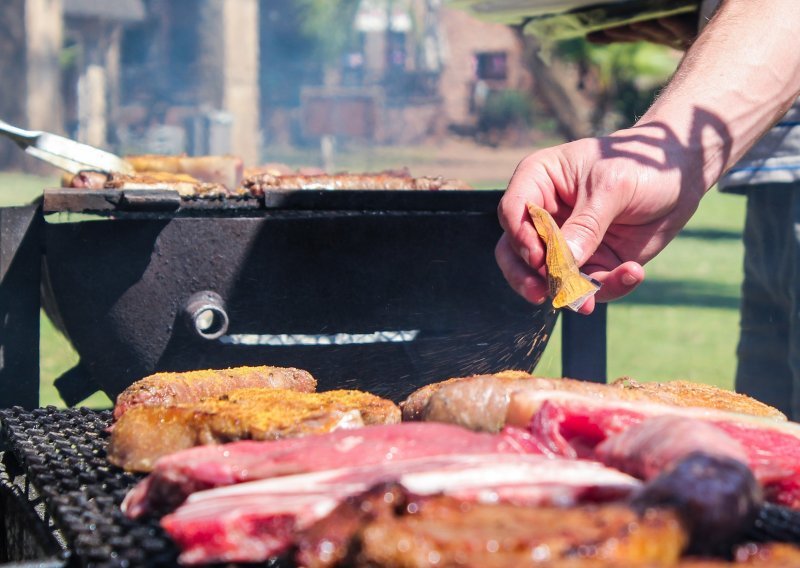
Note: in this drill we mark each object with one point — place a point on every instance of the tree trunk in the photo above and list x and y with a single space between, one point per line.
561 99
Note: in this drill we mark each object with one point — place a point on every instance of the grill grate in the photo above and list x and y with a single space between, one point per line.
63 454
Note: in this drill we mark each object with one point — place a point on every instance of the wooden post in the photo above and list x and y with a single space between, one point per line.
44 31
229 69
30 92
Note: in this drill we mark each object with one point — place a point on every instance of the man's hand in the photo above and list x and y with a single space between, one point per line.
619 200
677 32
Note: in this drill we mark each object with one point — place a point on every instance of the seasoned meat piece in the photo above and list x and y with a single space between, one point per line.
223 170
685 393
144 434
184 184
388 527
481 402
414 406
260 183
87 179
169 389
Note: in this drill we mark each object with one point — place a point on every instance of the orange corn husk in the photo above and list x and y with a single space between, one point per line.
568 286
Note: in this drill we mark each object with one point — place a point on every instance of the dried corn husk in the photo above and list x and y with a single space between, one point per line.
569 287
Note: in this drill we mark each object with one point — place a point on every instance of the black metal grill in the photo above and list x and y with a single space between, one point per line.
57 484
62 454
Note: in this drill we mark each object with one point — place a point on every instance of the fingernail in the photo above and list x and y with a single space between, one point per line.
629 279
525 254
576 250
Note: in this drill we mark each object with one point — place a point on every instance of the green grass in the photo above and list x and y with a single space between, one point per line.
682 322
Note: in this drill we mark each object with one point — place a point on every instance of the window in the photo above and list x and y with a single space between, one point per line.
492 65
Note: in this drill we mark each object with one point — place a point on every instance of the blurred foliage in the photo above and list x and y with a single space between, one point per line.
504 109
328 24
624 77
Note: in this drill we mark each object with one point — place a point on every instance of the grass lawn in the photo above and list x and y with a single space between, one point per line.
681 323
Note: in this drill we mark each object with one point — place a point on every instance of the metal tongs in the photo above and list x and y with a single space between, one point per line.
64 153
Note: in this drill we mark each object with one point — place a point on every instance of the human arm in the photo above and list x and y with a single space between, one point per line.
622 198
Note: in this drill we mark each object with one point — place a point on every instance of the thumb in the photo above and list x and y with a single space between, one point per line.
586 226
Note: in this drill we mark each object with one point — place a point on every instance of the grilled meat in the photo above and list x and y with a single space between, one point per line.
222 170
144 434
655 445
253 521
481 402
763 555
414 406
177 476
169 389
573 425
391 527
686 393
256 185
183 184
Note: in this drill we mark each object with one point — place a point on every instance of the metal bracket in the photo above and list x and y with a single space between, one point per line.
20 278
583 345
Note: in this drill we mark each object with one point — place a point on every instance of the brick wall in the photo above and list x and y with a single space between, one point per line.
466 36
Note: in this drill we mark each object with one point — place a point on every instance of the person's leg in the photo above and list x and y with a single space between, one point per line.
763 370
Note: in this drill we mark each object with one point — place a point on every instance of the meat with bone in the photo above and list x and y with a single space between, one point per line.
144 434
391 527
256 185
253 521
572 425
169 389
178 475
481 402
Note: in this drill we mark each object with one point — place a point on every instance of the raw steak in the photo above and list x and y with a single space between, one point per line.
176 476
253 521
571 425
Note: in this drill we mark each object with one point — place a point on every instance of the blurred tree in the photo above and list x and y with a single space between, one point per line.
624 78
328 24
593 89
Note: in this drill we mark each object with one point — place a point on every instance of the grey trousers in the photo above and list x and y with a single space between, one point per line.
769 343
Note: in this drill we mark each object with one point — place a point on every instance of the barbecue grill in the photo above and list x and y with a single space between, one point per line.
379 290
60 499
